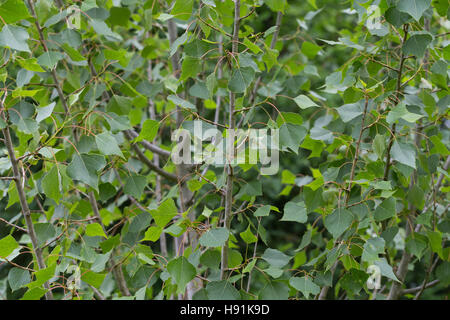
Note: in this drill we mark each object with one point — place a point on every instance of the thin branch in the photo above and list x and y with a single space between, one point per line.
23 199
231 124
116 269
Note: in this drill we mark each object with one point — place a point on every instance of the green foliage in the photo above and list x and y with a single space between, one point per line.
357 89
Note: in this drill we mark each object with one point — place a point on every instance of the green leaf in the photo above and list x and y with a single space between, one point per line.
94 230
385 210
435 238
350 111
181 102
107 144
276 5
338 222
372 248
190 68
92 278
102 28
400 111
30 64
73 54
14 38
291 136
214 237
253 47
417 44
84 167
51 184
386 269
182 9
404 153
119 16
13 10
416 197
135 185
181 271
276 258
149 130
379 145
310 49
262 211
165 212
50 59
222 290
240 79
45 112
248 236
275 290
152 234
304 285
295 211
17 278
304 102
34 294
414 8
7 245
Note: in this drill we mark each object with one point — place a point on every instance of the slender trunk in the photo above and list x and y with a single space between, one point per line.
158 189
231 124
324 291
397 98
116 269
19 180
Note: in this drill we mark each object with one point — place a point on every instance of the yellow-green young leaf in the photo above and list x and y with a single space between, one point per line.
182 9
149 130
248 236
287 177
310 49
30 64
7 245
253 47
13 195
270 58
276 5
209 104
304 102
92 278
42 276
165 212
94 230
73 53
152 234
34 294
13 10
